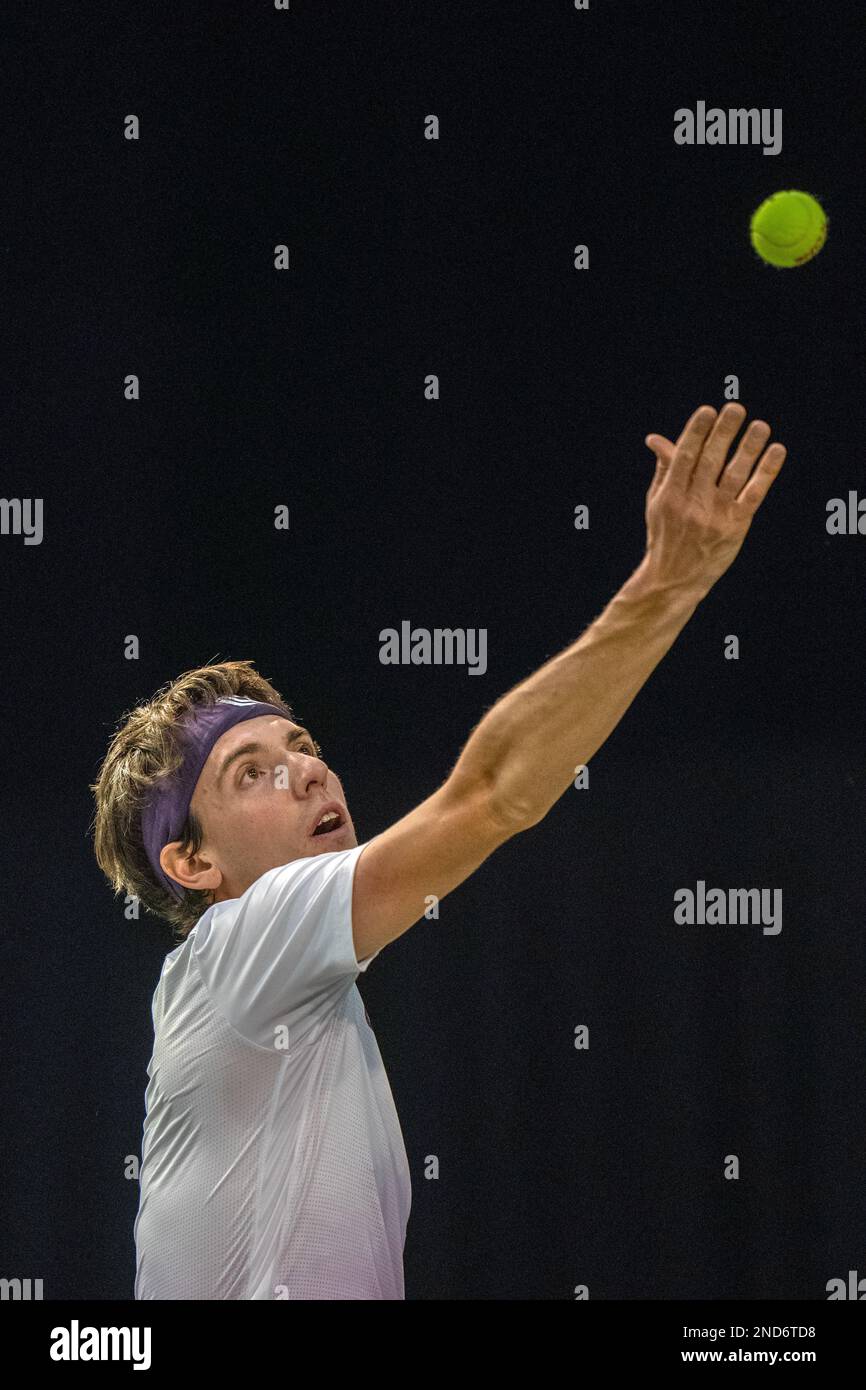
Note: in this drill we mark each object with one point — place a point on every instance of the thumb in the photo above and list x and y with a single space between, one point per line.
663 450
661 447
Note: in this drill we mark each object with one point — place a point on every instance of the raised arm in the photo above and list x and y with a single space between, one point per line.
522 755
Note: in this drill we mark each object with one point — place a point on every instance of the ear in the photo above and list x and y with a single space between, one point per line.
194 872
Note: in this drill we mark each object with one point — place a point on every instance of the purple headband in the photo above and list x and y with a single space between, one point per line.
165 814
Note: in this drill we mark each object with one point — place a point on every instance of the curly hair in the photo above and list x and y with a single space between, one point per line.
144 749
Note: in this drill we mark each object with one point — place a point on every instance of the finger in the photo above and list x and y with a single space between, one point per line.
659 444
763 478
689 446
719 440
741 465
663 450
658 475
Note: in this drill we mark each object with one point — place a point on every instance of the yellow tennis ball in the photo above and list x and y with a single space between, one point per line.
788 228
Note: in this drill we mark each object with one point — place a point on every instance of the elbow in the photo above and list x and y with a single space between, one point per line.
504 815
514 816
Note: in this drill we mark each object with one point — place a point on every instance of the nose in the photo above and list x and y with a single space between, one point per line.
315 770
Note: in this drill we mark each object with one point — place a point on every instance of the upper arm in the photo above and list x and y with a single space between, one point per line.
427 853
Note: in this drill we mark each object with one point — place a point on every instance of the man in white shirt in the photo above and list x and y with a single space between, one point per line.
273 1164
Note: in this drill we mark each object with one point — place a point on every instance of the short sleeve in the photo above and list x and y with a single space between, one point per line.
283 953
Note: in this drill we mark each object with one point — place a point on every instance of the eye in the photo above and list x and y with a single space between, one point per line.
251 768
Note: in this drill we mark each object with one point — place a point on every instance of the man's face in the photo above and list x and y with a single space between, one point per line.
259 798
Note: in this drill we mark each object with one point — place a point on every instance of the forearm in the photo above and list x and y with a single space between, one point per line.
524 752
527 747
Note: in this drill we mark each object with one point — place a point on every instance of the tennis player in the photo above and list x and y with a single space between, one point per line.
273 1165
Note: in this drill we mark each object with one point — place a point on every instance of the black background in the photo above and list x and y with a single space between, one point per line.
306 388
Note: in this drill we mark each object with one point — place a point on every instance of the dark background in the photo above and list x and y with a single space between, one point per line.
306 387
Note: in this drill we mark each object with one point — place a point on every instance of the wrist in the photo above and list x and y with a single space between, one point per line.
646 584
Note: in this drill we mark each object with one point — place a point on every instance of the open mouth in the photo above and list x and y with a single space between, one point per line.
329 824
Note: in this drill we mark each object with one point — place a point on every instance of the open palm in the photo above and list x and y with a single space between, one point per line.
700 505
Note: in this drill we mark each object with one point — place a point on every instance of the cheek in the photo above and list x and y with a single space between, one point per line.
270 819
247 822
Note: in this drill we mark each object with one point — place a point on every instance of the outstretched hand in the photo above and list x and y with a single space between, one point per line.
699 506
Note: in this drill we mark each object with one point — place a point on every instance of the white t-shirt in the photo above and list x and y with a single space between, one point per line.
273 1164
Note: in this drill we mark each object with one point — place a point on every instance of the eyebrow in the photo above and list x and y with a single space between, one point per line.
253 746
